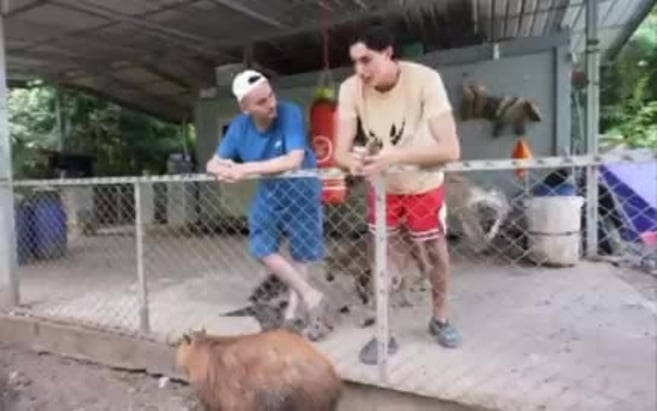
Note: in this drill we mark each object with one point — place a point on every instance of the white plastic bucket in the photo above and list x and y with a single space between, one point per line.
553 225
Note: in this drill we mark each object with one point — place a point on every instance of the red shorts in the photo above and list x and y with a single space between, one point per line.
423 214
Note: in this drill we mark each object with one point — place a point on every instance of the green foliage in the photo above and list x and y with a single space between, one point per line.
30 126
629 99
123 142
636 130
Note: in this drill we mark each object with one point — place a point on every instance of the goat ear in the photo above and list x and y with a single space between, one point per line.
187 338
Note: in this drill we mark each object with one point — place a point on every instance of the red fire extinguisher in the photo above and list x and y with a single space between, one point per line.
322 132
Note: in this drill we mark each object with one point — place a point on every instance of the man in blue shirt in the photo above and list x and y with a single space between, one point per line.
267 139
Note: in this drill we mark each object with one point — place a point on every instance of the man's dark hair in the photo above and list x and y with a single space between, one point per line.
376 37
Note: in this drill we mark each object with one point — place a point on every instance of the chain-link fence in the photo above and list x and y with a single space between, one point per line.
171 253
76 252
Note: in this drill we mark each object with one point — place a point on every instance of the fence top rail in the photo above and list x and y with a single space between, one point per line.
328 173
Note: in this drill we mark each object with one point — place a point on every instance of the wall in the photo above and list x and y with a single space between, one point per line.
536 69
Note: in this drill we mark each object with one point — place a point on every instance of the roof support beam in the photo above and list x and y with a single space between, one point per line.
82 32
76 35
157 66
9 11
184 39
99 72
143 103
156 109
235 6
187 73
630 28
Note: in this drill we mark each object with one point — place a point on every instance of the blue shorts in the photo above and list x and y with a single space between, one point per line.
292 209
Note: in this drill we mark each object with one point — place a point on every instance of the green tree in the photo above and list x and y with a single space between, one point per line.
629 98
123 142
31 127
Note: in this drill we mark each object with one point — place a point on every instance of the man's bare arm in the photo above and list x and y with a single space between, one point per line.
443 130
289 162
346 128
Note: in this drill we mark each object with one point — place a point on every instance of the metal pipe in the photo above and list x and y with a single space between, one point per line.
144 320
381 278
457 166
9 287
59 124
592 124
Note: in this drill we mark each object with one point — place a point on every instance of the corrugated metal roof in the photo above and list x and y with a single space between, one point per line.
156 54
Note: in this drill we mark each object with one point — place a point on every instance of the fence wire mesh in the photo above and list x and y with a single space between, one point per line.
199 262
80 261
76 253
172 253
516 241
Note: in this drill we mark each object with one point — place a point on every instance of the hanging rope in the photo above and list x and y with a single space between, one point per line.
248 56
325 36
325 17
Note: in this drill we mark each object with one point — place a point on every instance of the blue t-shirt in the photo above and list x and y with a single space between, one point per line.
243 142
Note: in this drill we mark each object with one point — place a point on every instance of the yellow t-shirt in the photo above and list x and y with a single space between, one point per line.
399 117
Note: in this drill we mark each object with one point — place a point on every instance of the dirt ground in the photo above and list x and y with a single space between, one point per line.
40 382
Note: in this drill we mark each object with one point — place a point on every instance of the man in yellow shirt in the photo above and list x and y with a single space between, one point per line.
404 109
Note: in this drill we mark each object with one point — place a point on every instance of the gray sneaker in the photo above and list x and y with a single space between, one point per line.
369 353
445 333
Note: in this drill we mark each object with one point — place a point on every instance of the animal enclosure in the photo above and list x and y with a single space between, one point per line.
171 271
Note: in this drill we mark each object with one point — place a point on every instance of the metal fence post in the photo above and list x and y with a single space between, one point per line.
592 125
381 278
144 322
8 257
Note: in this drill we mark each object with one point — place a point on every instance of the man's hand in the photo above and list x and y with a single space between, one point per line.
238 172
217 165
380 162
226 170
355 161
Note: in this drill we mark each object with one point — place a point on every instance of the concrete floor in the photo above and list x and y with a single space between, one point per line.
549 339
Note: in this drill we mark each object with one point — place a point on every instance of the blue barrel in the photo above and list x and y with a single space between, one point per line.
563 189
49 225
24 218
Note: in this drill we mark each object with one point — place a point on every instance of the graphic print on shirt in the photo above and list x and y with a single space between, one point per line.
394 114
375 143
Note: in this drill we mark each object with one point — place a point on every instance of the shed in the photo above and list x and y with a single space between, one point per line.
173 58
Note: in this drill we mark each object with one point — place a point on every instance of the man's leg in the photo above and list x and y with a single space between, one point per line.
304 227
426 215
264 240
290 275
294 298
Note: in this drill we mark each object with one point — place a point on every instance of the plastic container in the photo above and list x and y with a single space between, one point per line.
563 189
24 217
334 191
50 231
553 225
649 238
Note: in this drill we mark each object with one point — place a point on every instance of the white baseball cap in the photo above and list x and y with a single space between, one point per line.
246 81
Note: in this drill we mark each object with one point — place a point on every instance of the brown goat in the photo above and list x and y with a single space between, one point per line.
502 111
270 371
